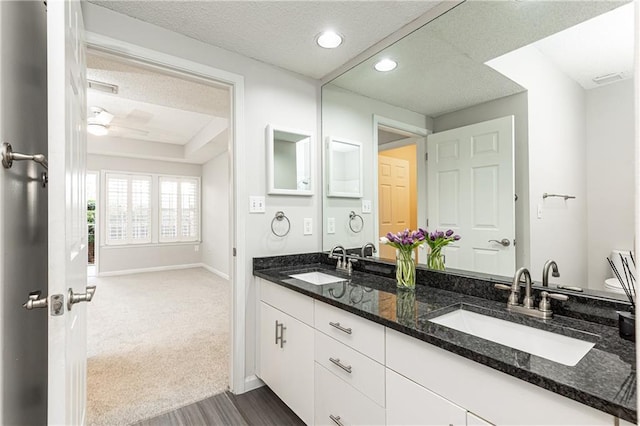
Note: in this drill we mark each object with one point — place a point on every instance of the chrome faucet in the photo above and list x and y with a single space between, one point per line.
528 305
363 251
545 271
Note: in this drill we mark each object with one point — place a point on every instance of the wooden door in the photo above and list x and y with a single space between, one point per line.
67 211
471 190
394 199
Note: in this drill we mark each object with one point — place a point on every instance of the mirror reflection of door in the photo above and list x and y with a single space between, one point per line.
397 185
471 187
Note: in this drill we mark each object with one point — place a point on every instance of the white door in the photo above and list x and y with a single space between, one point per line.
67 210
471 190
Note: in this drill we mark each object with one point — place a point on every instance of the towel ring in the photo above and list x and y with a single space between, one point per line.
280 216
353 216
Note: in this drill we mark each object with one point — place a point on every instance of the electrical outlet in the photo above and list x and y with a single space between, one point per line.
196 248
331 225
366 206
256 204
308 223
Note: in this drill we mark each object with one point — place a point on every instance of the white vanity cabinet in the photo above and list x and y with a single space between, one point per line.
286 350
497 397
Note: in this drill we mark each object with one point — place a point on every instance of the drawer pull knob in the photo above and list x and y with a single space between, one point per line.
337 362
336 419
339 327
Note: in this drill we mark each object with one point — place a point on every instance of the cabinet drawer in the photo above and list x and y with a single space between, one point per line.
361 334
295 304
359 371
335 399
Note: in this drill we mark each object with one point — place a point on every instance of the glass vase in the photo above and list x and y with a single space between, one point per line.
405 269
435 260
406 307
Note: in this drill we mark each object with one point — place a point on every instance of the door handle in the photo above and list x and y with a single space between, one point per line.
504 242
35 301
80 297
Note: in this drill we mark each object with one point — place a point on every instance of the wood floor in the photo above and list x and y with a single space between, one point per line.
260 407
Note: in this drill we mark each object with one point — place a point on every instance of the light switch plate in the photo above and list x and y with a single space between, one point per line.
308 226
539 211
331 225
366 206
256 204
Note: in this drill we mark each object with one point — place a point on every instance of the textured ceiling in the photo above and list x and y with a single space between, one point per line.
280 33
155 108
441 66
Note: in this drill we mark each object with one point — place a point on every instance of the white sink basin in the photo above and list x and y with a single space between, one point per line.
555 347
317 278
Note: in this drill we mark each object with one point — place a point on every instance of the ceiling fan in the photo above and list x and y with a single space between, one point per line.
99 123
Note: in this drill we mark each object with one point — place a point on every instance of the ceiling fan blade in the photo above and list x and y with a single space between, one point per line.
117 128
104 117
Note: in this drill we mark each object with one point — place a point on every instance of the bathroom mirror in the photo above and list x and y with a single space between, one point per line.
289 161
563 70
344 168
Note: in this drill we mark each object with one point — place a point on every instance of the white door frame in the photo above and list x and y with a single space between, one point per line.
237 186
421 149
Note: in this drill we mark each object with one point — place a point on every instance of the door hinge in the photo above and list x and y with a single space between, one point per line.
426 156
427 223
234 252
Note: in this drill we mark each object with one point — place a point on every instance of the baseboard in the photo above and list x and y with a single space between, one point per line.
154 269
215 271
252 382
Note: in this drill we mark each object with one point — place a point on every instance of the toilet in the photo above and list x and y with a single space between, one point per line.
612 284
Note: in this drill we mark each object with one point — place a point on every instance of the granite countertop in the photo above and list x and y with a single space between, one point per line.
604 379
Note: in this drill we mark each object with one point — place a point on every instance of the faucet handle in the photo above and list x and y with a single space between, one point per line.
545 305
503 287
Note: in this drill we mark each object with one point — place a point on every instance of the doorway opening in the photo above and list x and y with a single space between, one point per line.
92 221
159 334
400 165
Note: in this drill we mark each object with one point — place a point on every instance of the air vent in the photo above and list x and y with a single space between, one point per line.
102 87
608 78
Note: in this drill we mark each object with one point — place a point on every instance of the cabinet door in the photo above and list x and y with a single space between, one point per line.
410 404
287 367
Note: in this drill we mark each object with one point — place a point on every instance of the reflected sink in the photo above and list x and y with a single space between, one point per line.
552 346
317 278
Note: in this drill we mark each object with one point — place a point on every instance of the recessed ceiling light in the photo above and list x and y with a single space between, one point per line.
329 39
97 129
385 65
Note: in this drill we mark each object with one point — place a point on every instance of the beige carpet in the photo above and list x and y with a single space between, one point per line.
156 341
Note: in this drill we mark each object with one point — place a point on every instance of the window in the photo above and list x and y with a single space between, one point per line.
128 209
179 209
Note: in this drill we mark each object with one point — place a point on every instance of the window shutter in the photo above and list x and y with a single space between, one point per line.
117 207
168 209
189 209
128 209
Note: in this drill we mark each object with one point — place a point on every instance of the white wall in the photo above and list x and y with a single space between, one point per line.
215 209
610 175
557 163
510 105
272 96
346 115
115 259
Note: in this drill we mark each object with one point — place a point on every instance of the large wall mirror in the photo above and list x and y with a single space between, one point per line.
288 161
510 122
